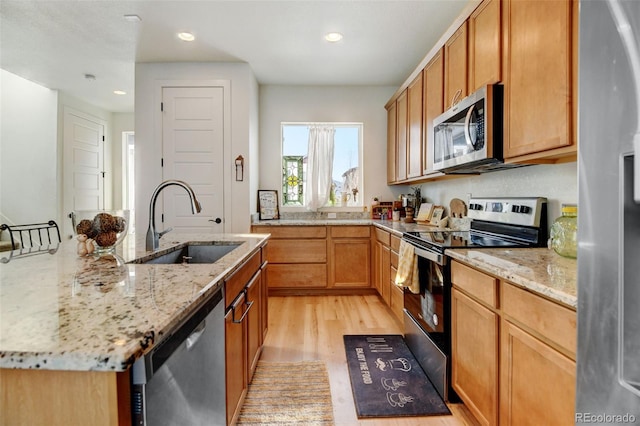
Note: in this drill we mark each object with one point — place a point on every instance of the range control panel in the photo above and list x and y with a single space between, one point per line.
525 211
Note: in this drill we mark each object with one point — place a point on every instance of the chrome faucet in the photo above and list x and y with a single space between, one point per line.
153 237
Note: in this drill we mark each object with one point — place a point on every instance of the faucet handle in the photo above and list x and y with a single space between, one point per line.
160 234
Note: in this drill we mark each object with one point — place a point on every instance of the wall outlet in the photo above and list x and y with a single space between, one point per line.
331 215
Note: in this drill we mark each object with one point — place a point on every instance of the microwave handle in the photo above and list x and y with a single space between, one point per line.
467 131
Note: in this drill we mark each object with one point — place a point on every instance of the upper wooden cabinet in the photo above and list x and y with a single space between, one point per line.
433 105
539 61
402 106
391 142
455 67
414 136
485 45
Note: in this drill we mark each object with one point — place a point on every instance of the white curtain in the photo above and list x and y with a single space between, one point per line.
319 166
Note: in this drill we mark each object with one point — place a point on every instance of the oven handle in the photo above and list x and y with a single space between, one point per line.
429 255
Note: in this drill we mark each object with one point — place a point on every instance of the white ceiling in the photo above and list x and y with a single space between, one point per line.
55 43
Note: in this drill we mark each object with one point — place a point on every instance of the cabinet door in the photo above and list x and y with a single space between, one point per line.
377 266
538 74
455 67
254 333
474 358
236 357
433 105
264 303
391 142
537 383
484 45
414 114
350 262
401 138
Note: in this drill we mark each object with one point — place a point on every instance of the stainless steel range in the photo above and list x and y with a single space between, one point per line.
495 222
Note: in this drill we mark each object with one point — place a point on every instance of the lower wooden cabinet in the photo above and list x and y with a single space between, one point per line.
245 328
537 384
315 259
513 356
474 347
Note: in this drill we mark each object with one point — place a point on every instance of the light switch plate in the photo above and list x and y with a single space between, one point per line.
331 215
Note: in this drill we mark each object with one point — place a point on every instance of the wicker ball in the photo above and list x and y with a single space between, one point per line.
106 239
85 227
104 222
121 224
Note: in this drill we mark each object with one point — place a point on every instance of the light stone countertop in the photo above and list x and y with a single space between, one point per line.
539 270
64 312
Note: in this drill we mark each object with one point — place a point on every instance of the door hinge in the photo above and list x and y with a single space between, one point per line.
162 217
103 173
161 106
102 138
162 162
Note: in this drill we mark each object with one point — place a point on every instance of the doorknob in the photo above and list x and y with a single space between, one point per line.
217 220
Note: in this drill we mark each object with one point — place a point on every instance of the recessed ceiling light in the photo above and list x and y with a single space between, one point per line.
333 37
132 18
119 92
185 36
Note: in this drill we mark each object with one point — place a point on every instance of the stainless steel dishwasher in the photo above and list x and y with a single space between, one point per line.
182 380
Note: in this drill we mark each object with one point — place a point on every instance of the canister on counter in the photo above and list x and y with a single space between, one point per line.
564 239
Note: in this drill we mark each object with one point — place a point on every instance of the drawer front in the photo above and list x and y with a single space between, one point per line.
383 236
395 243
297 251
554 322
475 283
236 282
350 231
297 276
298 232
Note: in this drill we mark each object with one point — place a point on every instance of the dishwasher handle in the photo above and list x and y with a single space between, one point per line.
238 301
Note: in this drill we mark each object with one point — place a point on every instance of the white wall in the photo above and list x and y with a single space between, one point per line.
326 103
28 151
238 198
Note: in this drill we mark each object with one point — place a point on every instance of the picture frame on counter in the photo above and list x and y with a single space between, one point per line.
268 204
436 215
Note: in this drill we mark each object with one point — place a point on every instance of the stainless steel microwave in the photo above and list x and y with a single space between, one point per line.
468 137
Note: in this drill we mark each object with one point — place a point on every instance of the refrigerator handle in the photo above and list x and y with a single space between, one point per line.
636 166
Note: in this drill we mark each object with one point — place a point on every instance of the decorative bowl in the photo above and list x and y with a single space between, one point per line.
99 230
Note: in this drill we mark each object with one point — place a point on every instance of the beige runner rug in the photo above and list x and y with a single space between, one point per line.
288 393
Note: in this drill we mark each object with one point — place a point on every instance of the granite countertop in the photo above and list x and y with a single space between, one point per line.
64 312
539 270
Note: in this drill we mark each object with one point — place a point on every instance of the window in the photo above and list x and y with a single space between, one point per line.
346 186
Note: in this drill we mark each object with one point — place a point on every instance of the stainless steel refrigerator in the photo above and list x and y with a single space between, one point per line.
608 359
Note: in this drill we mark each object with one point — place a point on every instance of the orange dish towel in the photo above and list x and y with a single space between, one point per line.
407 275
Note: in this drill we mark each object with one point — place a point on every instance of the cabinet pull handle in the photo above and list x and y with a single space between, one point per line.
244 314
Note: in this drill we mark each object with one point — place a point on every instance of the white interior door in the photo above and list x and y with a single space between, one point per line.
83 164
192 149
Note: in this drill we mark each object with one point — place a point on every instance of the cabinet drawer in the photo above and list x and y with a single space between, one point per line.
297 251
475 283
395 243
383 236
236 282
553 322
292 231
297 276
350 231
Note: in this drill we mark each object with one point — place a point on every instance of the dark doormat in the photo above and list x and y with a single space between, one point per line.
386 379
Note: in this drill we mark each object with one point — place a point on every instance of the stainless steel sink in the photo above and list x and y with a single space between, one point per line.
196 252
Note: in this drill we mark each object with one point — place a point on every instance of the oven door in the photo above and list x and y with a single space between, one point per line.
428 307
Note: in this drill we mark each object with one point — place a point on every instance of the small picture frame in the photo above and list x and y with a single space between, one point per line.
424 214
268 204
436 215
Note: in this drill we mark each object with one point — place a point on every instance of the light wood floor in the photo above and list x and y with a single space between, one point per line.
311 328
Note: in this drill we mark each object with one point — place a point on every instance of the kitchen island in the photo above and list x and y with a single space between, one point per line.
71 327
